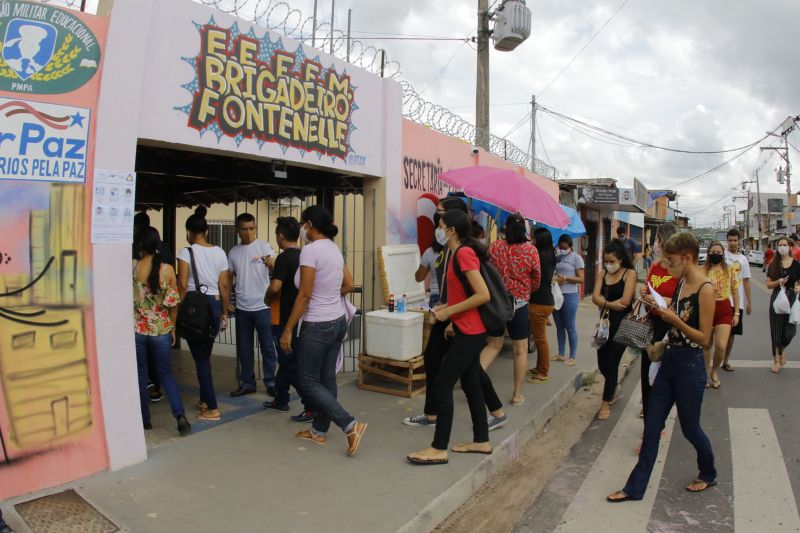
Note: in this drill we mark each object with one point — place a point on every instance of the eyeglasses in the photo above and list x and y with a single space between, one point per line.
669 262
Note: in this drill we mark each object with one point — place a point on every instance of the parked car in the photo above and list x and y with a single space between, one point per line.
756 257
701 259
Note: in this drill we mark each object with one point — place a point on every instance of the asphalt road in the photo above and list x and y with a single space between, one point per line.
752 421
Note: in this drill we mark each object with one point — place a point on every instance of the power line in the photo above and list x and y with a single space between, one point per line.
584 47
518 125
436 78
724 163
541 141
413 39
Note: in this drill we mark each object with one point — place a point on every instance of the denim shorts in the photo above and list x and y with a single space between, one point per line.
519 327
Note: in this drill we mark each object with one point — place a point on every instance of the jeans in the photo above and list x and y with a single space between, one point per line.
248 322
460 361
201 353
317 351
565 325
286 375
608 358
159 350
434 353
537 314
681 381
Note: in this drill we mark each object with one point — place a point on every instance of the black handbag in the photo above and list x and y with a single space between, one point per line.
194 316
635 330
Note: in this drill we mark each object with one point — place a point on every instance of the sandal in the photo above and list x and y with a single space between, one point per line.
569 362
416 459
624 498
466 448
557 358
708 485
603 415
538 378
519 401
715 383
776 367
728 367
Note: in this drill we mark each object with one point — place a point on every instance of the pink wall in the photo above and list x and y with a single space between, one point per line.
426 154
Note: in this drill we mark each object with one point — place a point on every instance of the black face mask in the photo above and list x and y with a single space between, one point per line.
715 259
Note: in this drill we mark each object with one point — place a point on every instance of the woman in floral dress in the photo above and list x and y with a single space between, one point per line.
155 305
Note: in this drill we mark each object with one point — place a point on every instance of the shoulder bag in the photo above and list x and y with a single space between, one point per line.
194 316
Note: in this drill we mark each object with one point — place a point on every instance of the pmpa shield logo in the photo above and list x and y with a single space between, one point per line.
28 46
45 50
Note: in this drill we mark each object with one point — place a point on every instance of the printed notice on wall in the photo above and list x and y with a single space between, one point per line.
113 198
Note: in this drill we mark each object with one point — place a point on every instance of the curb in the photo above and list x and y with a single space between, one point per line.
451 499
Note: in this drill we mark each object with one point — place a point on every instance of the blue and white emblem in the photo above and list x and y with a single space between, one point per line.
28 46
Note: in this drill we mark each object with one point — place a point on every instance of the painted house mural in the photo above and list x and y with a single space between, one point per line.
51 428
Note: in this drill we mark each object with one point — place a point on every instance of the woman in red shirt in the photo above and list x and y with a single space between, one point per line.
467 337
517 261
664 284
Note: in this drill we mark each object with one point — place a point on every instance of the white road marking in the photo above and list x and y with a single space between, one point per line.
765 363
763 500
589 510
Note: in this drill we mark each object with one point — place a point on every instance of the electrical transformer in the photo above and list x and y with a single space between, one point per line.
512 25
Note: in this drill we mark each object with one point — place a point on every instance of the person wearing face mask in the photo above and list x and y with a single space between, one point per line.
783 273
741 265
428 263
681 379
664 284
614 294
569 274
726 290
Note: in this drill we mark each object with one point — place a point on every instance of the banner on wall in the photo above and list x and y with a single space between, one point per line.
50 415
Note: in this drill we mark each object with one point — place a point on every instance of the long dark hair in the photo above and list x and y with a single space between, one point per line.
150 243
321 219
516 231
615 247
775 269
460 222
544 243
453 202
197 224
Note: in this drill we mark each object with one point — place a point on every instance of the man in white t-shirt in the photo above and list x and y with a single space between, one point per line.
250 262
736 260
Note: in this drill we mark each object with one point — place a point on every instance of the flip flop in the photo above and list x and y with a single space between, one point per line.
728 367
603 416
709 484
715 384
625 498
538 379
466 450
418 461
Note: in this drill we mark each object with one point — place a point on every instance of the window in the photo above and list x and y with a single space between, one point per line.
223 234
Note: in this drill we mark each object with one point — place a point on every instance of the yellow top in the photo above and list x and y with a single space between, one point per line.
724 281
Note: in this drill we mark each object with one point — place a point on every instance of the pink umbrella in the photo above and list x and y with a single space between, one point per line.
508 190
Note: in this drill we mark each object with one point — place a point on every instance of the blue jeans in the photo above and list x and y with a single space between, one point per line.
201 353
681 381
248 322
317 351
286 376
565 325
159 350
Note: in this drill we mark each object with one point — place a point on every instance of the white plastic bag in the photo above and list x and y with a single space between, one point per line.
651 376
781 304
794 314
558 296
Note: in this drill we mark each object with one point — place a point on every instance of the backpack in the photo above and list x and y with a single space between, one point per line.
499 310
194 316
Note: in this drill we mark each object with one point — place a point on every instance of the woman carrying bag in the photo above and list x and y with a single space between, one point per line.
726 316
614 294
783 275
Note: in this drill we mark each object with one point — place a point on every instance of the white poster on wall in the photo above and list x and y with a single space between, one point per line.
113 199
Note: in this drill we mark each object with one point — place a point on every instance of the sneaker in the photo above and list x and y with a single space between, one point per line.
303 418
418 421
211 415
184 427
275 406
496 422
354 438
156 396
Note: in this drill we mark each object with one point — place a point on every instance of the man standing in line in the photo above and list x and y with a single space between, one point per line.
741 266
630 245
282 286
250 261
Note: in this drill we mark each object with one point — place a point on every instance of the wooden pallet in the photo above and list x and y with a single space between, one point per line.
407 377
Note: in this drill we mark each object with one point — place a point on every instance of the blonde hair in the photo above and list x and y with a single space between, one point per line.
682 242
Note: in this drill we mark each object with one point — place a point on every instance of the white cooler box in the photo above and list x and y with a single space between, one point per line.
394 335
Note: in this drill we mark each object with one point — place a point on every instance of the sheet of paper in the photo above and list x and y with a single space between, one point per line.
660 302
113 202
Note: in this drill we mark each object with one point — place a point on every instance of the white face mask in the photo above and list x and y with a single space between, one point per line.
561 251
441 238
783 250
656 249
303 235
611 267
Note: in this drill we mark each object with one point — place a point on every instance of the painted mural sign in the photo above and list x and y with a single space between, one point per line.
51 429
45 50
253 88
43 142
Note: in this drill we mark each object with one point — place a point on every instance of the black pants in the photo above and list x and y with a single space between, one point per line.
608 358
434 352
287 376
460 361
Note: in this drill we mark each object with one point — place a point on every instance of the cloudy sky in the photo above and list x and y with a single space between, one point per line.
701 75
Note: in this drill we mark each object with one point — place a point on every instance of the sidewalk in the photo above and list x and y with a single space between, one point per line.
250 473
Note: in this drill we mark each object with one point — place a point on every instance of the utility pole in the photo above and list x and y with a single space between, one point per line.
314 27
785 128
333 20
482 81
533 133
760 216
